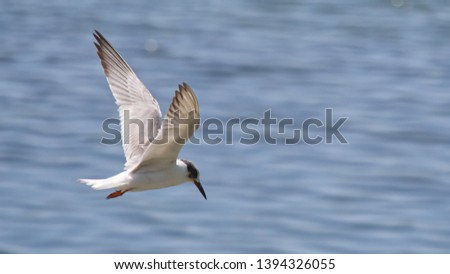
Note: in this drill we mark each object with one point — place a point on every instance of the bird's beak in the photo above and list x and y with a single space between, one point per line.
200 188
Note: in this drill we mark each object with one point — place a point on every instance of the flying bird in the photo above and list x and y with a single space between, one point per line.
151 162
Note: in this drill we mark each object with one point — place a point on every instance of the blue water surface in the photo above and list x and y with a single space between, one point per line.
383 64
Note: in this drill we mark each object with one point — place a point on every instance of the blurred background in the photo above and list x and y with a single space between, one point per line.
383 64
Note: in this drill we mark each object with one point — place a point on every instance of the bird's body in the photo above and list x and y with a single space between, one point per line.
151 159
171 175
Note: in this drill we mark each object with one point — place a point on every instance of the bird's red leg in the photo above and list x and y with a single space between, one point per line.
116 194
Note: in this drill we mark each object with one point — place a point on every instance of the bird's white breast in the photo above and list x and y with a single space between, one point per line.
153 179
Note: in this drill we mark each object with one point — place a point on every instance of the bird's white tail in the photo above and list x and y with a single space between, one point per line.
115 181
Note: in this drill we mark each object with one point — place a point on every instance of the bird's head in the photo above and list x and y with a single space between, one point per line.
194 176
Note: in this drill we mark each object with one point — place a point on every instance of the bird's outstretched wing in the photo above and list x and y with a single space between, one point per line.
182 119
140 116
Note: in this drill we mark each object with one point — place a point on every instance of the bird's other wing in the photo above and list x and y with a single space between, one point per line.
140 116
182 119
